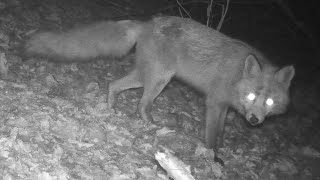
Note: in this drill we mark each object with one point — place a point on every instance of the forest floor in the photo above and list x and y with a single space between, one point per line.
55 123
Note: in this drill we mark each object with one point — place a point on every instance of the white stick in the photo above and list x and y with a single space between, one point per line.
174 167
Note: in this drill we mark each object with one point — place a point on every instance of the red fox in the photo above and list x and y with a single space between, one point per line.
230 73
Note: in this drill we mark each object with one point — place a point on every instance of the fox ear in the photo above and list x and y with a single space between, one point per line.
251 67
285 75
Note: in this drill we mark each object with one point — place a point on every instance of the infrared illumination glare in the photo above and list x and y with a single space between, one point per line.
269 101
251 96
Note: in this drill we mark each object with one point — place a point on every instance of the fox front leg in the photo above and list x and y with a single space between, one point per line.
215 117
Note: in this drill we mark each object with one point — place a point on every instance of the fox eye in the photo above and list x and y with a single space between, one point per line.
269 102
251 96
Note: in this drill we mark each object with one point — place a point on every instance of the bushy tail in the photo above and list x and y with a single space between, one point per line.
101 39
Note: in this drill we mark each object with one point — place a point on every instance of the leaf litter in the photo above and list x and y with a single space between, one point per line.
55 123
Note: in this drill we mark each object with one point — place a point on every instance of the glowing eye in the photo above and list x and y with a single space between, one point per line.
269 102
251 96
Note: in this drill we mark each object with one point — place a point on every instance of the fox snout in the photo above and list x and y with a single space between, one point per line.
254 119
255 110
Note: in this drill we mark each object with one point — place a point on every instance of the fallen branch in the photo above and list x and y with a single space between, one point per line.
174 167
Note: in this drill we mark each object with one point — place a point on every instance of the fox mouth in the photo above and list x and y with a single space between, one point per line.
253 123
253 120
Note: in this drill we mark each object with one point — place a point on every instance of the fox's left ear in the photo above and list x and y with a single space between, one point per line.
285 75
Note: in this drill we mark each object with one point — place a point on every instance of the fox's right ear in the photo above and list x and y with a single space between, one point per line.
251 67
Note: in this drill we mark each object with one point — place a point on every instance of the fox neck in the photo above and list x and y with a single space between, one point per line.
235 103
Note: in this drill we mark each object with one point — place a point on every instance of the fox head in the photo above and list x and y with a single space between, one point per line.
263 91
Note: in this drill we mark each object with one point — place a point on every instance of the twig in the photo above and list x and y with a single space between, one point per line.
185 3
209 10
298 23
181 15
224 11
183 9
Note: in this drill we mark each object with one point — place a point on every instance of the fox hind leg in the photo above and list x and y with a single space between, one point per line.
127 82
153 86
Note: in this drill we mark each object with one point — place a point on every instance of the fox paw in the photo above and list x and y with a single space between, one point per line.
218 160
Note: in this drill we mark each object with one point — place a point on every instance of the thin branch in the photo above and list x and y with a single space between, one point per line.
298 23
209 10
224 11
183 9
185 3
181 15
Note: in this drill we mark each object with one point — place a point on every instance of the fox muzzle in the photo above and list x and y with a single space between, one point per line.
254 119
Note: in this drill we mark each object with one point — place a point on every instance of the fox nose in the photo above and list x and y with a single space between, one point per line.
253 120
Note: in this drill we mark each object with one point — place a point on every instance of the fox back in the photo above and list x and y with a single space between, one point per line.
197 54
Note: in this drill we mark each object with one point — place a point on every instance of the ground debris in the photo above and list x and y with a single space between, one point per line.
55 123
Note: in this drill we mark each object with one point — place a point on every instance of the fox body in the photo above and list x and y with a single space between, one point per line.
230 73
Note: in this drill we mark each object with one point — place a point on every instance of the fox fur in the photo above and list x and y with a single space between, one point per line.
229 72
